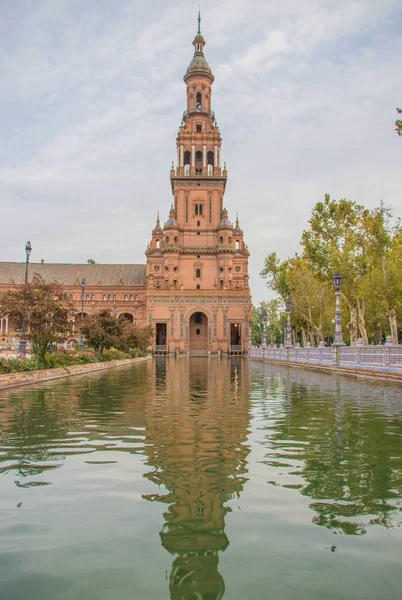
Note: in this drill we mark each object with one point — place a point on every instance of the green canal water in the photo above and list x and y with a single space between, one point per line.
202 479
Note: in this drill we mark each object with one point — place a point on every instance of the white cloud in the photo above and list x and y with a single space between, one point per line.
92 96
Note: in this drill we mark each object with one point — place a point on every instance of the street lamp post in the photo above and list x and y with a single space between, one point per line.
264 330
288 305
81 344
272 335
337 279
23 342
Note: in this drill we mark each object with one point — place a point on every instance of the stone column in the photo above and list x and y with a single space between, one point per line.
182 156
193 156
204 156
215 156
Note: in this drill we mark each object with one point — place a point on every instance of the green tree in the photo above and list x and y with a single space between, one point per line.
337 241
273 310
103 331
312 301
43 308
132 336
398 123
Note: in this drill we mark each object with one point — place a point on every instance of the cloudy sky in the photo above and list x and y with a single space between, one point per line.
92 96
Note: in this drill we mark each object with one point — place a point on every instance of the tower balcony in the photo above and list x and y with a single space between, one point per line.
199 111
185 173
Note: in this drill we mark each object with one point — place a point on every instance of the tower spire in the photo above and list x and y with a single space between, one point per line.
199 19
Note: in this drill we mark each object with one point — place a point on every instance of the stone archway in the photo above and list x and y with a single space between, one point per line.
198 331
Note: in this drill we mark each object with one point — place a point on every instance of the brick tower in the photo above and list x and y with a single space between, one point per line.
198 297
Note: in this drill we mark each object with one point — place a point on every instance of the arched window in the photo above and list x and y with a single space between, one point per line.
66 297
93 297
88 298
210 158
167 239
187 158
176 239
109 298
71 297
237 245
221 239
136 298
104 298
158 244
131 298
198 273
199 101
229 240
114 298
127 316
126 298
198 161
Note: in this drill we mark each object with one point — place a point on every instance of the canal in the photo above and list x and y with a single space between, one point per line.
201 479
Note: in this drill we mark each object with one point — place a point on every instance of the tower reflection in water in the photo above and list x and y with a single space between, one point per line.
197 426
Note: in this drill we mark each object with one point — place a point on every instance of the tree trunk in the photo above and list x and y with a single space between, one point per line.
352 325
391 314
361 321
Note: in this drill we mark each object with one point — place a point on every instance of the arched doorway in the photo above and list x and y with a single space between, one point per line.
198 327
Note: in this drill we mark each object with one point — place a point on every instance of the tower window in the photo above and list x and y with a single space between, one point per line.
187 157
199 128
210 158
158 244
198 273
198 209
198 161
198 102
237 245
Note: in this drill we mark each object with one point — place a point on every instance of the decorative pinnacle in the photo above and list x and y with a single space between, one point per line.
199 20
157 218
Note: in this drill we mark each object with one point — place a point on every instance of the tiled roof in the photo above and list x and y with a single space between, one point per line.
70 274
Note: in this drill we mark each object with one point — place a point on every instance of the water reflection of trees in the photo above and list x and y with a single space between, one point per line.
341 440
197 426
42 425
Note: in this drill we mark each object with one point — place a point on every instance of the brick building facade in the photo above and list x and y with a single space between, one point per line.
194 288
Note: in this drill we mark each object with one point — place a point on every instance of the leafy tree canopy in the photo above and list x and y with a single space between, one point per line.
43 309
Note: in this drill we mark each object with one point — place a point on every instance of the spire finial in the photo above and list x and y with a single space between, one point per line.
199 19
157 218
237 218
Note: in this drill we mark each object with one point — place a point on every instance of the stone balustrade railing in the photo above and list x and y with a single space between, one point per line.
366 357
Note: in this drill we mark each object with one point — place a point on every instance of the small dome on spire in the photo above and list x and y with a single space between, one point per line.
157 228
172 218
237 226
225 218
199 64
